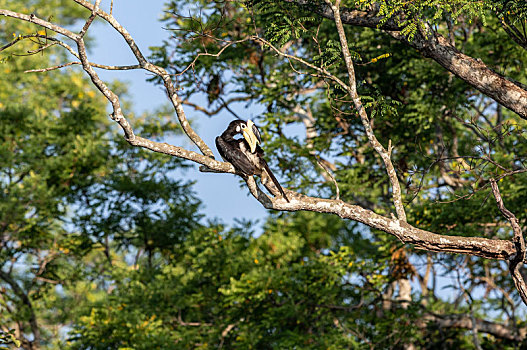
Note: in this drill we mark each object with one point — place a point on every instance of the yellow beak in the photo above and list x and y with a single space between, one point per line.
249 136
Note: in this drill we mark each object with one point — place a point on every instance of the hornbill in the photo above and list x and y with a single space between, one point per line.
245 154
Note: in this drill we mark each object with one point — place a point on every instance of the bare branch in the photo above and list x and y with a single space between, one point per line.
55 41
466 322
161 72
114 100
34 19
421 239
41 70
90 20
352 90
180 152
22 37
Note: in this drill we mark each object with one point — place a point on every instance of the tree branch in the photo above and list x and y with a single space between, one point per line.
208 112
19 292
513 32
352 90
512 95
159 71
466 322
96 65
421 239
516 260
34 19
117 114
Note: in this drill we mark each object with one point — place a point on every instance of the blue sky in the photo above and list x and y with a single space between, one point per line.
141 19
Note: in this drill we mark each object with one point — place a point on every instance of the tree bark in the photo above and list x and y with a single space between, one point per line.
474 72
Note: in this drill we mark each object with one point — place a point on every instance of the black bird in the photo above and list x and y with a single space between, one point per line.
245 154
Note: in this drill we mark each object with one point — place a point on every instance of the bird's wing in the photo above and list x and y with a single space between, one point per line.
231 152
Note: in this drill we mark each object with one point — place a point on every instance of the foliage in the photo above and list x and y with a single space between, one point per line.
449 139
8 338
104 247
66 180
221 288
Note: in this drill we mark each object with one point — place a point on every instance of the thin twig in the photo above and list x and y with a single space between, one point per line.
217 54
323 71
96 65
90 20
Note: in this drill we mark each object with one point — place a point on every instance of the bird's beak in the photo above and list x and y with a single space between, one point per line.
251 135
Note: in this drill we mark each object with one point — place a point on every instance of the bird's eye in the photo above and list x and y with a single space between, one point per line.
244 126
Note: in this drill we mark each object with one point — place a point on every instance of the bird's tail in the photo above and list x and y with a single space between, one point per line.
275 181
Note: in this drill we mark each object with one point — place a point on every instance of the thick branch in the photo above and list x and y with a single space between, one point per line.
473 71
180 152
421 239
466 322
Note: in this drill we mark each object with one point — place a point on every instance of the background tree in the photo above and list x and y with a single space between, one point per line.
407 146
66 183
